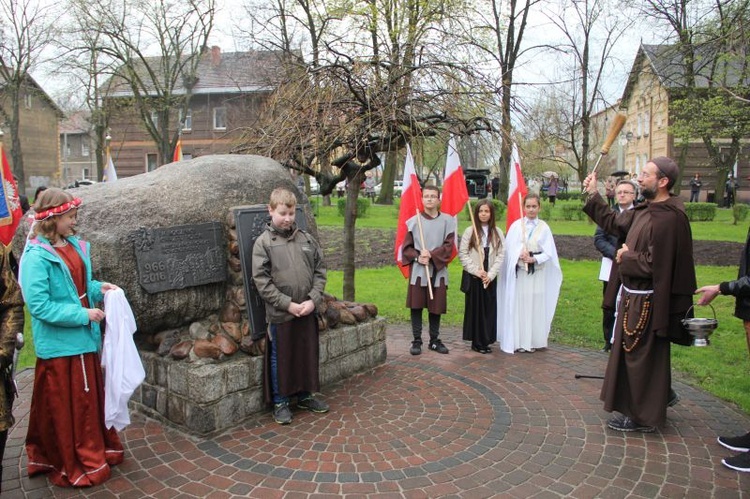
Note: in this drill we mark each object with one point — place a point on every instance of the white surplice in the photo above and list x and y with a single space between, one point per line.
527 302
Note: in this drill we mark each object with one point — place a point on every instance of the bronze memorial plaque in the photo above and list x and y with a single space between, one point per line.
181 256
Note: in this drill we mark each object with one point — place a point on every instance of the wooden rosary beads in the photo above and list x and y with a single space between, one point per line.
637 332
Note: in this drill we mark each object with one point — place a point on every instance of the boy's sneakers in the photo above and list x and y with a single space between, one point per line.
740 462
314 405
416 348
737 444
437 346
281 413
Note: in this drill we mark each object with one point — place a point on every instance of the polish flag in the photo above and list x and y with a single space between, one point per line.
177 156
455 195
516 189
411 204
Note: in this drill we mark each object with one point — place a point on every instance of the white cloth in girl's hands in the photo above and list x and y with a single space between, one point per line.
124 369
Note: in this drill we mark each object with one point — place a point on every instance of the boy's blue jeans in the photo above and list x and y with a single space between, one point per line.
279 399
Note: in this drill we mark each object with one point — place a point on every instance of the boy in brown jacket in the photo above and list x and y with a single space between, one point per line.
290 276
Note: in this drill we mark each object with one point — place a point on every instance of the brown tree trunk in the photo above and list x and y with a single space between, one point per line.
350 221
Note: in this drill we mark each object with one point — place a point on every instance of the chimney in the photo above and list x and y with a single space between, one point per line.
215 56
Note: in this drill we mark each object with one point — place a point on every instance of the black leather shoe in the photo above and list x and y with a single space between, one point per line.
673 398
624 423
416 348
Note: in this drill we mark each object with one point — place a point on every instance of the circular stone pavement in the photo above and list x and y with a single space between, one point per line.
414 420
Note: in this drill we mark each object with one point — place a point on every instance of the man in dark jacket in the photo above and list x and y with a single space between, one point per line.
695 188
657 272
739 288
607 244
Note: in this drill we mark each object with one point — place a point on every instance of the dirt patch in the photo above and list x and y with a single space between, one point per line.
374 248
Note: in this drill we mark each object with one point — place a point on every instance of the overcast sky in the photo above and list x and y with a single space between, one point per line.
542 68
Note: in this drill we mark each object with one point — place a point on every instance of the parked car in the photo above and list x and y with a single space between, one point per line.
81 183
398 186
314 186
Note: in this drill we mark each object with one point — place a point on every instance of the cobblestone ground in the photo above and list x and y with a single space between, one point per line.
460 425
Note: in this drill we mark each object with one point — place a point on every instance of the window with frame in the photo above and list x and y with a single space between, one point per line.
27 101
84 147
151 162
85 172
220 118
639 126
187 122
155 119
646 123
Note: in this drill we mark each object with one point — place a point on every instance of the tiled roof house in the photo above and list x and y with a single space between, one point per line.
227 96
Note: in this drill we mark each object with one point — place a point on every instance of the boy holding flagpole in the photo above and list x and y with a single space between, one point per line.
427 249
425 244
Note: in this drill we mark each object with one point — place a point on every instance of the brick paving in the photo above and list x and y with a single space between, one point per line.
459 425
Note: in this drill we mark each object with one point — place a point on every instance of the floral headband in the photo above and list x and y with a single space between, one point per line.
59 210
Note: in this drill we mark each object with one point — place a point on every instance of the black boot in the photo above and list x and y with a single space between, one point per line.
416 331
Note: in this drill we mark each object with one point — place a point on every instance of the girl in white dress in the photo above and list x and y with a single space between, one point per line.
532 279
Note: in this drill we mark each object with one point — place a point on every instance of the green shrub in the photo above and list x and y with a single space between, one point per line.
572 211
363 206
499 208
740 212
565 196
546 212
314 204
700 212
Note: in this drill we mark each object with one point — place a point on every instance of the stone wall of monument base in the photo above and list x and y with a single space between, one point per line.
204 398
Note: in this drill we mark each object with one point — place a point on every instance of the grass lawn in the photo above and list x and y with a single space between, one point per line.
721 228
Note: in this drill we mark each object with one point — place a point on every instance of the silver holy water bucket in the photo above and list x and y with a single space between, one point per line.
700 328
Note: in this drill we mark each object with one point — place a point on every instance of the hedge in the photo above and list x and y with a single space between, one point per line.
363 206
740 211
700 212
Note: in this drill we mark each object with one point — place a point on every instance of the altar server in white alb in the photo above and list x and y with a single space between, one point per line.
527 300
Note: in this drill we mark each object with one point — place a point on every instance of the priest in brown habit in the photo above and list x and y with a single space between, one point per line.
657 276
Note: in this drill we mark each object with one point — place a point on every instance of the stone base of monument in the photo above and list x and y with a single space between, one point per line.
210 396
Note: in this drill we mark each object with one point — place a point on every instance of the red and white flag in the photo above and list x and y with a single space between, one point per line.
411 204
109 174
455 195
10 202
516 189
177 156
